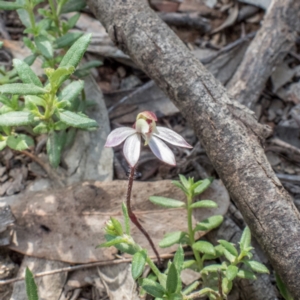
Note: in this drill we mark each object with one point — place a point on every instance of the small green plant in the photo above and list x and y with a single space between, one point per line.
31 288
54 103
216 279
282 288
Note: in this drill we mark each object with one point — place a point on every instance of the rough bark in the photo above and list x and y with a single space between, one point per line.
271 44
228 131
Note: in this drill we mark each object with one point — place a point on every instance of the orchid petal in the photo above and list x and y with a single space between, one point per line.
171 137
162 151
142 126
117 136
132 149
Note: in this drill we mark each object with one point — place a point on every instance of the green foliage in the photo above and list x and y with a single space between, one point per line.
282 288
31 288
57 107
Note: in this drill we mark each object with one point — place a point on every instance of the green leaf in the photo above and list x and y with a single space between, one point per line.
179 185
190 288
55 144
179 259
138 264
113 242
29 44
219 252
126 218
73 5
22 89
184 181
187 264
171 239
16 118
172 279
209 223
245 241
246 275
55 76
204 247
229 256
122 246
75 53
257 266
117 226
25 73
31 288
40 128
84 69
282 288
152 288
212 268
226 285
203 186
71 91
229 247
231 272
2 145
166 202
44 46
76 120
67 40
10 5
204 204
19 142
73 20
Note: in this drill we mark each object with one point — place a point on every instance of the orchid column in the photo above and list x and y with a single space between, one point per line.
144 127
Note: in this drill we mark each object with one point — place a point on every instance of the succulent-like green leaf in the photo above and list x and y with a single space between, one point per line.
231 272
209 223
138 263
25 73
179 185
246 274
179 259
10 5
204 204
19 142
75 53
204 247
229 247
76 120
245 241
229 256
172 279
67 40
73 5
44 45
257 266
55 144
171 239
22 89
16 118
71 91
166 202
152 288
198 189
212 268
282 288
31 288
184 181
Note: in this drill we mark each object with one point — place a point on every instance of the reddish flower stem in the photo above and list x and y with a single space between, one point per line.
133 217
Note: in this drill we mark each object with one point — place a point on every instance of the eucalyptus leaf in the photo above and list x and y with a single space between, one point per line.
16 118
138 263
166 202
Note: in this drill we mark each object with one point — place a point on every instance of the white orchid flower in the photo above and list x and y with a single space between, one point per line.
145 127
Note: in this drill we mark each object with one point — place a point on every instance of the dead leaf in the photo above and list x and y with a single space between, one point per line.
67 224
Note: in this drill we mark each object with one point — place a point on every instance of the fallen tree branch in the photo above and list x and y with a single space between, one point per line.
271 44
228 131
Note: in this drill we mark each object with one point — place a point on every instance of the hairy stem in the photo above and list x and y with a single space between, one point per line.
133 217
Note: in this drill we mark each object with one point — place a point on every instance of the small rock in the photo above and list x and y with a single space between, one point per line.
130 82
188 276
2 171
4 178
4 187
